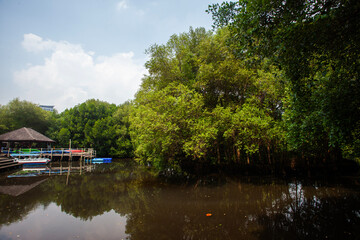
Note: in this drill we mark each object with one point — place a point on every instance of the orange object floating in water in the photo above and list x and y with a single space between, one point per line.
208 214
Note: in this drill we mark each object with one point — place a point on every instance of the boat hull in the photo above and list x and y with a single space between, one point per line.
33 161
101 160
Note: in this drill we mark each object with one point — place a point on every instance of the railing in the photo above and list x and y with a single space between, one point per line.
50 152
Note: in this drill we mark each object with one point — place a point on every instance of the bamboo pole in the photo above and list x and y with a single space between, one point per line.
62 154
80 165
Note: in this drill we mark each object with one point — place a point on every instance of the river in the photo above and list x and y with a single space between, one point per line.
124 201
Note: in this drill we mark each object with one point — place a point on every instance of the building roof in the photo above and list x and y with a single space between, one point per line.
24 135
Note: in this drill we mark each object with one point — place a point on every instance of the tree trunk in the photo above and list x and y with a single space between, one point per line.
260 155
238 155
218 152
268 151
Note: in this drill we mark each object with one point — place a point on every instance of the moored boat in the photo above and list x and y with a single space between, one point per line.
28 159
33 161
101 160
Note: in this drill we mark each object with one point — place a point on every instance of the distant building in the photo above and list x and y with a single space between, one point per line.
47 107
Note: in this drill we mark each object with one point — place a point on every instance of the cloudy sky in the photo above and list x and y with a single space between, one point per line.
63 52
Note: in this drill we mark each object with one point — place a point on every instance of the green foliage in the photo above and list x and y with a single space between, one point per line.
317 45
162 122
80 121
122 146
174 61
96 124
199 103
352 149
17 114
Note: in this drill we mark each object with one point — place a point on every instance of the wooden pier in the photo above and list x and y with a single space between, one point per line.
58 153
66 154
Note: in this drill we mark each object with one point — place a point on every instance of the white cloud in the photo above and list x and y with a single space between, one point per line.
122 5
34 43
70 75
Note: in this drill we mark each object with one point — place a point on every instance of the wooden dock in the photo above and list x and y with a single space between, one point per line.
59 153
66 154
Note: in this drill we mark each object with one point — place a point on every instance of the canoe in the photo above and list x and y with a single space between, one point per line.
25 154
30 150
77 151
101 160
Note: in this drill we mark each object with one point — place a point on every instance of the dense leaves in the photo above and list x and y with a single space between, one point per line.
96 124
17 114
200 104
317 45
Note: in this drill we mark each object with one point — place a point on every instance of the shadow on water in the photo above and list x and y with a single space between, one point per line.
209 208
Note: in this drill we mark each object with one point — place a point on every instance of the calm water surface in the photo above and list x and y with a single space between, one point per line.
114 201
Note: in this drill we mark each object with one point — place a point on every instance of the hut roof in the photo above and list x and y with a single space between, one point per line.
24 135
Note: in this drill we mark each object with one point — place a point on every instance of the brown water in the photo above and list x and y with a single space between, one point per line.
112 201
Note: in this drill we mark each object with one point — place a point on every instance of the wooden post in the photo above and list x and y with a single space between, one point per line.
62 154
70 157
80 164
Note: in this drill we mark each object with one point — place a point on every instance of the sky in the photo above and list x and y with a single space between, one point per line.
64 52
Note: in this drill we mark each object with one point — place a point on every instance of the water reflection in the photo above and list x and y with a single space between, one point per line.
56 168
147 208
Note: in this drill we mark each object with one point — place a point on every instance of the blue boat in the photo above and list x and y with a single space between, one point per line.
101 160
25 154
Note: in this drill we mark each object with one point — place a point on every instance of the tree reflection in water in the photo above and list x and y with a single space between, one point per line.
247 208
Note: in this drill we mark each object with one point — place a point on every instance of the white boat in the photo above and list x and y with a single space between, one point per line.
28 159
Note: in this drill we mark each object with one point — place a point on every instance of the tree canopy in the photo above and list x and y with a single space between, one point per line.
317 45
200 103
17 114
96 124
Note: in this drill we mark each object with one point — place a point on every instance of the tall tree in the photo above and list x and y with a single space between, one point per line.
200 103
79 121
317 44
17 114
162 123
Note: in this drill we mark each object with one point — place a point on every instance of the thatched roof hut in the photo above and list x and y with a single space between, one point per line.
25 135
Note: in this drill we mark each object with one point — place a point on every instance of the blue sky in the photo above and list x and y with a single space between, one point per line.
67 51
